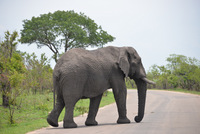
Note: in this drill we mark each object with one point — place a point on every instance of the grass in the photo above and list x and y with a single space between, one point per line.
32 110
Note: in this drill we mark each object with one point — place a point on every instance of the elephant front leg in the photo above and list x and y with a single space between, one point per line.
120 97
94 106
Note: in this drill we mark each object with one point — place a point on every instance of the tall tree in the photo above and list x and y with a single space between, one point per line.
63 28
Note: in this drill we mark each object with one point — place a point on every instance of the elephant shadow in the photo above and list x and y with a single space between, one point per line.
99 125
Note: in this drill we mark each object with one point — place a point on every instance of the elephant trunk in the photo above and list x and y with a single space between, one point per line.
141 88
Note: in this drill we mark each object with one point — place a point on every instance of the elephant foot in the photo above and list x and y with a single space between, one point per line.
123 121
138 119
91 122
53 122
69 124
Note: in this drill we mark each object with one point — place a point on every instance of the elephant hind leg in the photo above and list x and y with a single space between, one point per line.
94 106
52 118
69 111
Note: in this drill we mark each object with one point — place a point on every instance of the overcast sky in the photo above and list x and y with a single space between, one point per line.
155 28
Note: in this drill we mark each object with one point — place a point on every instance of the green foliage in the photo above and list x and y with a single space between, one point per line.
12 67
20 72
29 109
39 74
130 83
43 107
81 108
181 71
63 28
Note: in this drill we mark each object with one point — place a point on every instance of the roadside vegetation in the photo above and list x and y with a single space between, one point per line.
180 72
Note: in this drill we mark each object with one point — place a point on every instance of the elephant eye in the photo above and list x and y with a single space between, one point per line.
139 60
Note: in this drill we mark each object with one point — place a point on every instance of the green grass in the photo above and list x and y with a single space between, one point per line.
32 110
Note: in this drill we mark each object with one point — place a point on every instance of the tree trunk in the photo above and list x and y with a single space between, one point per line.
66 47
5 94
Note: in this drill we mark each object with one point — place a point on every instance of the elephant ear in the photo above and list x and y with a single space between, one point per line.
124 62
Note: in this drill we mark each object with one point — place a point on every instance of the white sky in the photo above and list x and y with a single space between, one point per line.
155 28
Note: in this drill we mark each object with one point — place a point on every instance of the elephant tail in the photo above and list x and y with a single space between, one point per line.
55 89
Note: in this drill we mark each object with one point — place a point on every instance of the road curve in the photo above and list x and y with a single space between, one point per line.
166 113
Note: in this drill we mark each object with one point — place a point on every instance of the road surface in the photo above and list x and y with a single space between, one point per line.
166 113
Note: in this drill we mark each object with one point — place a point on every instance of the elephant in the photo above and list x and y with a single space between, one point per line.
81 74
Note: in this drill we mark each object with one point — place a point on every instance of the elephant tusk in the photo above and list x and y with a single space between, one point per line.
148 81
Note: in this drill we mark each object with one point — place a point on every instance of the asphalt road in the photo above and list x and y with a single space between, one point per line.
166 113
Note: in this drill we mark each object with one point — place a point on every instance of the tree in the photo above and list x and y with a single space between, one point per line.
160 74
184 68
63 28
11 66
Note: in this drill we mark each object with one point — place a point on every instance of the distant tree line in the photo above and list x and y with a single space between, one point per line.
180 72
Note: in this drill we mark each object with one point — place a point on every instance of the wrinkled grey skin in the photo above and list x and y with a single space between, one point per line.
81 74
